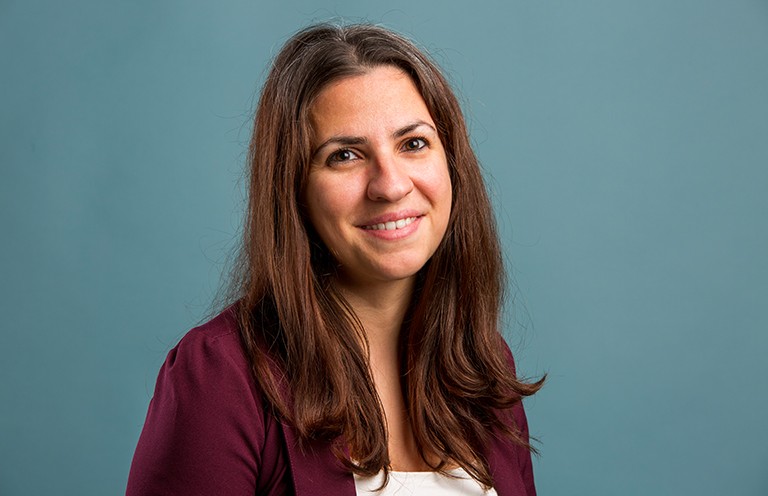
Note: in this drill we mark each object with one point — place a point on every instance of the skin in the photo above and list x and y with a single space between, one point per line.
377 159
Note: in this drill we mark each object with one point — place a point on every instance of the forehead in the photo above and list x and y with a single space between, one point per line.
382 98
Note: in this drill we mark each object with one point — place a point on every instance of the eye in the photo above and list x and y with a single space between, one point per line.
343 155
414 144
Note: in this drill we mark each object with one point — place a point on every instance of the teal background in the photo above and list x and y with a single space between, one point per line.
625 144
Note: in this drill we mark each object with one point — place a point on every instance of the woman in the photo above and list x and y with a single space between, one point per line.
363 350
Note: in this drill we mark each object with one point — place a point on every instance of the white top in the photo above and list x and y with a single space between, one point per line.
422 483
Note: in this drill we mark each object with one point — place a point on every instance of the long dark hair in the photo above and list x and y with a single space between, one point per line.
301 335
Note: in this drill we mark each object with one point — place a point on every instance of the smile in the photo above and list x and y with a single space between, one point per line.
390 226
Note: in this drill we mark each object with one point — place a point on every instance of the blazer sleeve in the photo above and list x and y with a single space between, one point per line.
524 459
521 422
204 432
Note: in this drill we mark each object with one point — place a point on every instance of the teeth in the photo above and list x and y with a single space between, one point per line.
392 225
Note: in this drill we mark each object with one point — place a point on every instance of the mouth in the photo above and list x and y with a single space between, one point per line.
392 225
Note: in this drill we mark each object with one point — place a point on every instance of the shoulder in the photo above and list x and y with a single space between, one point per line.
518 418
206 430
510 461
218 335
208 372
212 345
507 353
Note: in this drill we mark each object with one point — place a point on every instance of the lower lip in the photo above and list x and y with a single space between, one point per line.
394 234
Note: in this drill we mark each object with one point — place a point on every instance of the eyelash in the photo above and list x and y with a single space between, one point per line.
424 143
334 157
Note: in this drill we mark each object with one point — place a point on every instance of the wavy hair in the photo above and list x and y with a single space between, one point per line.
299 333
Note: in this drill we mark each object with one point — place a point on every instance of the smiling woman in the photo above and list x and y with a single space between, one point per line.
361 352
378 191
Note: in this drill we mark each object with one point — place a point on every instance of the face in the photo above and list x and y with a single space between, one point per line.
378 192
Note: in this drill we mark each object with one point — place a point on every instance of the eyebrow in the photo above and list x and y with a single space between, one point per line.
359 140
412 127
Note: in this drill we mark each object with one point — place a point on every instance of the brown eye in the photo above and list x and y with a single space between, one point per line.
414 144
343 155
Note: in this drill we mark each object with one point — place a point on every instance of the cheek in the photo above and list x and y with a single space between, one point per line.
326 204
443 199
440 188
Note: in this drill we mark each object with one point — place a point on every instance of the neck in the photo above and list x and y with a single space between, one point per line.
381 309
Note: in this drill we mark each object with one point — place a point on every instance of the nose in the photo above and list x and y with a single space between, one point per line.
389 180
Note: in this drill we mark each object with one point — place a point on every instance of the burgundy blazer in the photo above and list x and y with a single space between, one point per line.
207 433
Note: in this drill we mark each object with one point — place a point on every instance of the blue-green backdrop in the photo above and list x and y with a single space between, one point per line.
625 144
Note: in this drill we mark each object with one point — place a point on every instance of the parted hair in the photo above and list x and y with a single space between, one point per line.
299 333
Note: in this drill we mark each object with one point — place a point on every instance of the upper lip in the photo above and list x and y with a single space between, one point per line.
390 217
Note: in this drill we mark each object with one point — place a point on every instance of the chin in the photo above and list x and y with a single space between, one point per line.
399 273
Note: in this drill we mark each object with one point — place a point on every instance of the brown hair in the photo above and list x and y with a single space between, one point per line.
298 331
